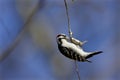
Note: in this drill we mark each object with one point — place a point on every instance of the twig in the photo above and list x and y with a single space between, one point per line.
77 70
70 35
69 29
25 26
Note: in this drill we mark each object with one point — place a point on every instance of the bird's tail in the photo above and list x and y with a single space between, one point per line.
93 53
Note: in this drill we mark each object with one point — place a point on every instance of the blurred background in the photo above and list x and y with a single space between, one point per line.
28 29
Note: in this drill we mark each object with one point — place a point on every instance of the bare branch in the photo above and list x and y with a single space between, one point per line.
25 26
69 29
77 70
70 36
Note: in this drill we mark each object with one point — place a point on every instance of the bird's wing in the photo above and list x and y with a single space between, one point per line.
71 54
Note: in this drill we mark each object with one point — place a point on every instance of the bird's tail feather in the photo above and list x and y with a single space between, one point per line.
93 53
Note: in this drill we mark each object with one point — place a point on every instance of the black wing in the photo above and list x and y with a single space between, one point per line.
69 53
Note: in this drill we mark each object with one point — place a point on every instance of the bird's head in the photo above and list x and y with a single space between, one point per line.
60 37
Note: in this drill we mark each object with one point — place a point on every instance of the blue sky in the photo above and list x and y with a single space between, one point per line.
37 56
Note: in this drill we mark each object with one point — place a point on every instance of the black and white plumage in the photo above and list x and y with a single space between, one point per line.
72 50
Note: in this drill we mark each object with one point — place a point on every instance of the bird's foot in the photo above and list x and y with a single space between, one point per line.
84 42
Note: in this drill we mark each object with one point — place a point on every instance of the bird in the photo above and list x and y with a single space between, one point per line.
73 50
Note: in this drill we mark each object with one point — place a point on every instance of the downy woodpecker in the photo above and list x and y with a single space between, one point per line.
73 50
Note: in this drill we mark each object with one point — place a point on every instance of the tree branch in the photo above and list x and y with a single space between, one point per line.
68 18
70 35
25 26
